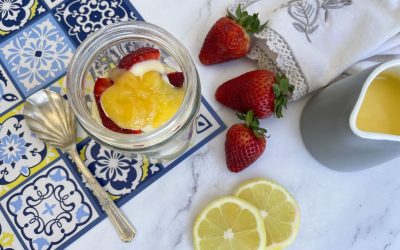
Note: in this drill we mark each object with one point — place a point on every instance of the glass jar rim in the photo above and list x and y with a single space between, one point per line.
114 34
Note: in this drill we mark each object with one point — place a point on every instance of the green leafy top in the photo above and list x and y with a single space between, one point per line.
252 123
282 90
250 23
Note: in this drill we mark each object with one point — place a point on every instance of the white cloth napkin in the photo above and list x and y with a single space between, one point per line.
314 42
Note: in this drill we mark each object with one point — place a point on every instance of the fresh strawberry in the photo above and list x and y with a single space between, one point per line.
137 56
229 37
176 79
258 90
108 123
244 143
99 87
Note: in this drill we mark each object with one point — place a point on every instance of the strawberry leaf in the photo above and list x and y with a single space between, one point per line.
284 85
276 89
241 116
239 10
282 91
250 23
284 103
252 123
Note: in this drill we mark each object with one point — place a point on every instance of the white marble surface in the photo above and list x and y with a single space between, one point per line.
338 210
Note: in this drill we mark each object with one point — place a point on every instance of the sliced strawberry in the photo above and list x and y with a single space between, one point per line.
100 86
137 56
108 123
176 79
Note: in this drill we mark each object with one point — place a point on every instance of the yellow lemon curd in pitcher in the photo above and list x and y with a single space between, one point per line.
380 110
135 102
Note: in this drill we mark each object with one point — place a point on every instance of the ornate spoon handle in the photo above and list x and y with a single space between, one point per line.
121 224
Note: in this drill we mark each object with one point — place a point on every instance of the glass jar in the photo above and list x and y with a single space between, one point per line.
103 50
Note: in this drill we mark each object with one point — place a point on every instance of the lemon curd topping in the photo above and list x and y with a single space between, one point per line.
141 101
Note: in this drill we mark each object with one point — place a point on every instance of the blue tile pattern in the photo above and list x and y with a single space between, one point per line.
44 203
118 174
9 95
8 239
202 124
20 150
37 56
15 14
52 3
82 17
50 208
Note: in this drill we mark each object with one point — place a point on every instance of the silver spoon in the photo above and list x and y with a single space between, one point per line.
50 117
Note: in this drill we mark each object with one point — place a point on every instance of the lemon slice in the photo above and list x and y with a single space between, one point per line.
229 223
278 209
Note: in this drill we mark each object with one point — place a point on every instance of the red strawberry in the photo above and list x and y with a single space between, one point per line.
244 143
99 87
137 56
258 90
229 37
108 123
176 79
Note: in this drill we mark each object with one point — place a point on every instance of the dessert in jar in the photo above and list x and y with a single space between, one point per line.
134 88
139 95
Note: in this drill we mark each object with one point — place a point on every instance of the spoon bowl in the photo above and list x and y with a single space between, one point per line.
49 116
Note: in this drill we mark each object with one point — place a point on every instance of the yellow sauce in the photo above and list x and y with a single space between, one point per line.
135 103
380 110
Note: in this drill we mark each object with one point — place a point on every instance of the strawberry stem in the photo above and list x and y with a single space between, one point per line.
282 91
250 23
252 123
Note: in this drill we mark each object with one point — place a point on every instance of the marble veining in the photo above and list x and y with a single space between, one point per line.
197 160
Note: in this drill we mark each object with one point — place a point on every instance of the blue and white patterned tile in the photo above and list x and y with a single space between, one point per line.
37 55
118 174
15 14
9 96
8 239
82 17
52 3
49 209
207 123
202 124
20 150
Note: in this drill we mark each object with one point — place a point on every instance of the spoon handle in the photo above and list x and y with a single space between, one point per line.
121 224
